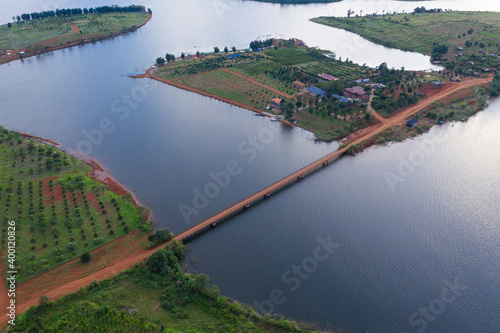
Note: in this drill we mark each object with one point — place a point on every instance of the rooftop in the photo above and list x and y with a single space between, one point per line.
356 90
316 90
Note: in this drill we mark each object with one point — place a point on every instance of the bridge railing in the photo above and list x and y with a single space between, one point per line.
291 175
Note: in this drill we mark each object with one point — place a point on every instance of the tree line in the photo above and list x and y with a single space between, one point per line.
422 9
257 44
78 11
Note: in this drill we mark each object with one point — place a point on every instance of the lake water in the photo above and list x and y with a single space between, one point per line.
408 220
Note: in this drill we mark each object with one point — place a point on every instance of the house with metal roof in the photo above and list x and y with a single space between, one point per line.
316 91
412 123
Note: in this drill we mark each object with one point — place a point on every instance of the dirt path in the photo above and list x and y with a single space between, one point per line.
258 83
373 112
400 117
57 282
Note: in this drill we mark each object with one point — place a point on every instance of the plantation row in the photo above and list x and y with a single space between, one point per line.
59 211
48 24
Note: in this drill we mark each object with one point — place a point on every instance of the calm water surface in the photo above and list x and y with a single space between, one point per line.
400 242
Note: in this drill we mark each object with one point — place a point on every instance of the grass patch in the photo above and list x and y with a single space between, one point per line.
293 56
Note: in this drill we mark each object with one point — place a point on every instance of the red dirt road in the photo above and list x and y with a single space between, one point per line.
31 290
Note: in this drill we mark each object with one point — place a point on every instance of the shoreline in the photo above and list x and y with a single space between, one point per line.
98 172
346 139
15 56
149 75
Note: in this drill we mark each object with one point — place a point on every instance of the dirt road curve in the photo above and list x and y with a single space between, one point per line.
127 261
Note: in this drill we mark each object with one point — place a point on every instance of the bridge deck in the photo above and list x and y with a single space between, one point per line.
259 195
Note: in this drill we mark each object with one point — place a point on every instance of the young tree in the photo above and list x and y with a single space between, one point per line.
288 108
43 301
216 49
234 49
183 55
226 50
201 282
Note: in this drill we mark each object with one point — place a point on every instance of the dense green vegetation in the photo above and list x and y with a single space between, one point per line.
60 212
494 88
94 26
154 296
464 42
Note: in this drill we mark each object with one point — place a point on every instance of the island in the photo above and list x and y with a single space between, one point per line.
40 32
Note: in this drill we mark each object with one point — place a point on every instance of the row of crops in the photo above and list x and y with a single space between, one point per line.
47 24
336 68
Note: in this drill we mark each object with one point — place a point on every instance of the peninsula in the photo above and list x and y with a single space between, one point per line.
41 32
310 88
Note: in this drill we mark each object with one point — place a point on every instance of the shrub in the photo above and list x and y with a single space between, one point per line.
85 257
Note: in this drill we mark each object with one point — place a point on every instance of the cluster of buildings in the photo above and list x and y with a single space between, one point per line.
356 93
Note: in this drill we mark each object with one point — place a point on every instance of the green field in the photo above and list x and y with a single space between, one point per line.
422 31
153 296
96 25
294 56
255 68
59 212
342 70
